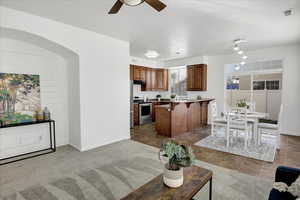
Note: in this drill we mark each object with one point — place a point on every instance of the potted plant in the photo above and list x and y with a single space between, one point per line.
173 96
158 97
242 103
175 157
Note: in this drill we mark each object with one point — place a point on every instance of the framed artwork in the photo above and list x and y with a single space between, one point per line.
19 97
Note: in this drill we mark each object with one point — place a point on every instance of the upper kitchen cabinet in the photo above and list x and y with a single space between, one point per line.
137 73
162 79
153 79
197 77
148 85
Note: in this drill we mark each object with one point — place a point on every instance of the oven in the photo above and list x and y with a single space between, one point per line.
145 113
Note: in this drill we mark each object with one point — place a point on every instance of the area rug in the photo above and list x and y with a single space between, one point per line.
266 151
110 173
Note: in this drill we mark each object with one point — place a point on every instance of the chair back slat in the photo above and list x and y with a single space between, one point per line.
237 118
214 109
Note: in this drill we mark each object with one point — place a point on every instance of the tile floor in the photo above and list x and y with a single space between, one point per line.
288 155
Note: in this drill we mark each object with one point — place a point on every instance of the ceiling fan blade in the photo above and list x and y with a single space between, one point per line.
156 4
117 6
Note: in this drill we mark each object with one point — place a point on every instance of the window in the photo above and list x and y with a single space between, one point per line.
178 80
266 85
233 83
272 85
258 85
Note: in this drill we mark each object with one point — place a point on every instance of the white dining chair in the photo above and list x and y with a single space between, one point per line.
271 129
216 121
237 124
251 105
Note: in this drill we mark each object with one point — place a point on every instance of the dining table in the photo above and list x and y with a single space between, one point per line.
253 118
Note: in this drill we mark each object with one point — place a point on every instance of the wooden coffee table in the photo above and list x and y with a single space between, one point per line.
194 180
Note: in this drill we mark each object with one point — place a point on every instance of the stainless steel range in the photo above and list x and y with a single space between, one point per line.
145 113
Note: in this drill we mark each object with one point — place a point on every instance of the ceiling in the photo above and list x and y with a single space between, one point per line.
199 27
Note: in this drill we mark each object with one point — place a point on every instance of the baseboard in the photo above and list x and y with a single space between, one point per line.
292 133
103 144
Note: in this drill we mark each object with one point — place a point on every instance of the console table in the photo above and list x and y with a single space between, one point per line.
194 180
24 156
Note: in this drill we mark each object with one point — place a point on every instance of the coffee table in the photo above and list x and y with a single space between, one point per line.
194 180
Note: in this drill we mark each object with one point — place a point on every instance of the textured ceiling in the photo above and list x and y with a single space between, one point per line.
200 27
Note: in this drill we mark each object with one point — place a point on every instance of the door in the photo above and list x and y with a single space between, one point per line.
148 74
159 79
165 80
190 77
153 80
197 78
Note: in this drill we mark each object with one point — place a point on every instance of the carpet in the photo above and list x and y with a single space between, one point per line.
111 172
266 151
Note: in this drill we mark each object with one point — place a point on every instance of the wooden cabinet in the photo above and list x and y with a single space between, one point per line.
136 114
148 82
153 79
137 73
162 79
197 77
154 104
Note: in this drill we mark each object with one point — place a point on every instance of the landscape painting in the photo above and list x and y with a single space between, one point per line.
19 97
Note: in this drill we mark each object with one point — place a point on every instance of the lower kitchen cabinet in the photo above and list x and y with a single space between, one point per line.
136 114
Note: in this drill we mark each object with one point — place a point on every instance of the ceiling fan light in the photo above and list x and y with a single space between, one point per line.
243 63
245 57
132 2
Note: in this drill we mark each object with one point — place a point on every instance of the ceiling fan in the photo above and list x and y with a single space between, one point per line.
156 4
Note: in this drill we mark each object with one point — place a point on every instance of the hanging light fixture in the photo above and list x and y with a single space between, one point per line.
237 67
236 47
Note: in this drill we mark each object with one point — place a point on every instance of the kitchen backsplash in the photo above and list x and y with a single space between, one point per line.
137 92
165 94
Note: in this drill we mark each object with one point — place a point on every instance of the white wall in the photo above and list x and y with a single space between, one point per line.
210 74
24 58
185 61
103 70
290 86
146 62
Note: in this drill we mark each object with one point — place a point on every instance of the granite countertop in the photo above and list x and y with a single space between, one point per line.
188 101
173 101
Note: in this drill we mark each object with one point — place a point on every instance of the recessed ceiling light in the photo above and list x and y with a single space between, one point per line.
243 63
240 52
151 54
288 12
236 48
245 57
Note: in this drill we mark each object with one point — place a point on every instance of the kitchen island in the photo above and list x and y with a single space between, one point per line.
178 117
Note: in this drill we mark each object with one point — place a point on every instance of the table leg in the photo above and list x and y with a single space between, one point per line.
256 131
210 189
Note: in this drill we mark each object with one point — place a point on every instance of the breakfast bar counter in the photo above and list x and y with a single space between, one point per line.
178 117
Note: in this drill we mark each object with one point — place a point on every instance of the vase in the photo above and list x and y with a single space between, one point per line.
173 178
